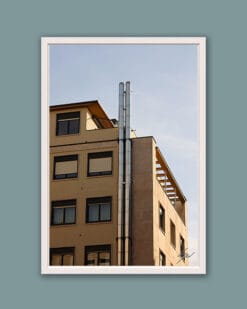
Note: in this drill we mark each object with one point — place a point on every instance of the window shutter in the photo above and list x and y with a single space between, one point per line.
66 167
68 259
100 164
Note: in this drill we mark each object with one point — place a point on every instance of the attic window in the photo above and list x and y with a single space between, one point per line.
68 123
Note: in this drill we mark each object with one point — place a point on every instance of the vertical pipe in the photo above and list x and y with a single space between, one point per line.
121 174
127 175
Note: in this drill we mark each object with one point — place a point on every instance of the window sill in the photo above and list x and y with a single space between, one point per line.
69 134
62 179
98 222
62 225
99 176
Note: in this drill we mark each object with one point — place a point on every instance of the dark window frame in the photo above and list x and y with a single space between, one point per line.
97 249
98 155
64 159
62 251
61 204
68 118
162 224
163 256
172 224
99 200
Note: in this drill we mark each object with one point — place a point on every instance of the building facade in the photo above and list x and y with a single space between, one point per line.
92 220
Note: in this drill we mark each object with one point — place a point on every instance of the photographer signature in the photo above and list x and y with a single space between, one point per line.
185 255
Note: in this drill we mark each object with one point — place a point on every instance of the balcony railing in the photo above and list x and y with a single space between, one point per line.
169 184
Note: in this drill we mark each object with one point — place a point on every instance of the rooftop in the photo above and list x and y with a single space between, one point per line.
94 108
167 179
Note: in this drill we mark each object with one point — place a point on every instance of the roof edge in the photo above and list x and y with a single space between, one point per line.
93 106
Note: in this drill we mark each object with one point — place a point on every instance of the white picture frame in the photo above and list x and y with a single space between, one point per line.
46 269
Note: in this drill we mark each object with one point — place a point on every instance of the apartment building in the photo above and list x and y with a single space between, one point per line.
113 197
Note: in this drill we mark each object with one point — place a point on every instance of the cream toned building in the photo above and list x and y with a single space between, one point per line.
94 218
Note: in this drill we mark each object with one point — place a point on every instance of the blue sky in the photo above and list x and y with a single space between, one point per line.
163 100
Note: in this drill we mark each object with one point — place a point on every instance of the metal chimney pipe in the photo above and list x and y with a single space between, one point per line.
127 175
121 174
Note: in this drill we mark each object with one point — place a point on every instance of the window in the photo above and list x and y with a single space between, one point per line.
68 123
162 218
173 234
98 209
65 167
63 212
99 163
62 256
182 248
98 255
162 261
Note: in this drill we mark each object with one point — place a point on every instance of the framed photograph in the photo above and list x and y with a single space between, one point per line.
123 155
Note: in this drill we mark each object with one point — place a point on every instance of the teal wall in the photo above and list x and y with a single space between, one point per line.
22 23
